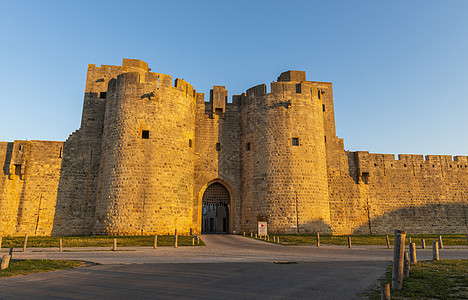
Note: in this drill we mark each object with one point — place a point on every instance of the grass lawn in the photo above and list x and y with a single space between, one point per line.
311 240
97 241
28 266
443 279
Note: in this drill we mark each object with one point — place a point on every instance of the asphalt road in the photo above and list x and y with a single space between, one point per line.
229 267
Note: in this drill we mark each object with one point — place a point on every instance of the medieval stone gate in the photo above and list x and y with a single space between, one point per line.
215 209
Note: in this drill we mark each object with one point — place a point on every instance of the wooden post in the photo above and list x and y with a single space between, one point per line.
155 242
244 233
251 234
277 239
349 242
193 241
423 244
198 240
175 241
413 258
255 235
318 239
60 245
398 259
385 291
409 241
114 247
274 238
407 266
441 245
268 237
25 244
388 241
5 262
435 250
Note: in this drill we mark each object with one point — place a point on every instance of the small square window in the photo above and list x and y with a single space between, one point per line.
103 95
295 141
247 147
218 147
323 107
145 134
298 88
190 143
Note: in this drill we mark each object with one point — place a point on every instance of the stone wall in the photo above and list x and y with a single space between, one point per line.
28 186
147 149
284 159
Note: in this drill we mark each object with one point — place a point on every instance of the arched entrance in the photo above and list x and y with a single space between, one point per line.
215 209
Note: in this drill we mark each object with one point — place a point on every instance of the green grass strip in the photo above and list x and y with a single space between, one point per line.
97 241
29 266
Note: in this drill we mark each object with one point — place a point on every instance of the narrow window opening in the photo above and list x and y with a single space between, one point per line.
404 165
20 147
158 83
247 147
18 170
323 107
103 95
295 141
319 94
365 177
190 143
298 88
60 152
218 147
145 134
325 139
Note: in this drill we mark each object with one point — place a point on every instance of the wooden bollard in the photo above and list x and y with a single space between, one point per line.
198 240
60 245
193 241
25 244
155 242
423 244
349 242
435 250
406 268
277 239
114 247
398 259
5 262
175 241
388 241
268 237
441 245
255 235
413 258
244 233
318 239
251 234
274 238
385 291
264 237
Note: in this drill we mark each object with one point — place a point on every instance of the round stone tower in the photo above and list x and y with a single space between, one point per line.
284 161
147 162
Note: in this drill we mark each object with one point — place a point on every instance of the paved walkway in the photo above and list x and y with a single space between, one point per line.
229 267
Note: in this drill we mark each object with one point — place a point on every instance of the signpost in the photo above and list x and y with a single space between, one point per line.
262 228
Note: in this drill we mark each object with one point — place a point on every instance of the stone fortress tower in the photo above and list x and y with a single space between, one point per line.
152 156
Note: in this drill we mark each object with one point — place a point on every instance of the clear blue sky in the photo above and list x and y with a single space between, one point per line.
399 68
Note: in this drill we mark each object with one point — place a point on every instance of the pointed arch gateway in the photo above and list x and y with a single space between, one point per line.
217 201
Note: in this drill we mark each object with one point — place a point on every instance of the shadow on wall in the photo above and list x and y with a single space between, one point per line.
430 219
